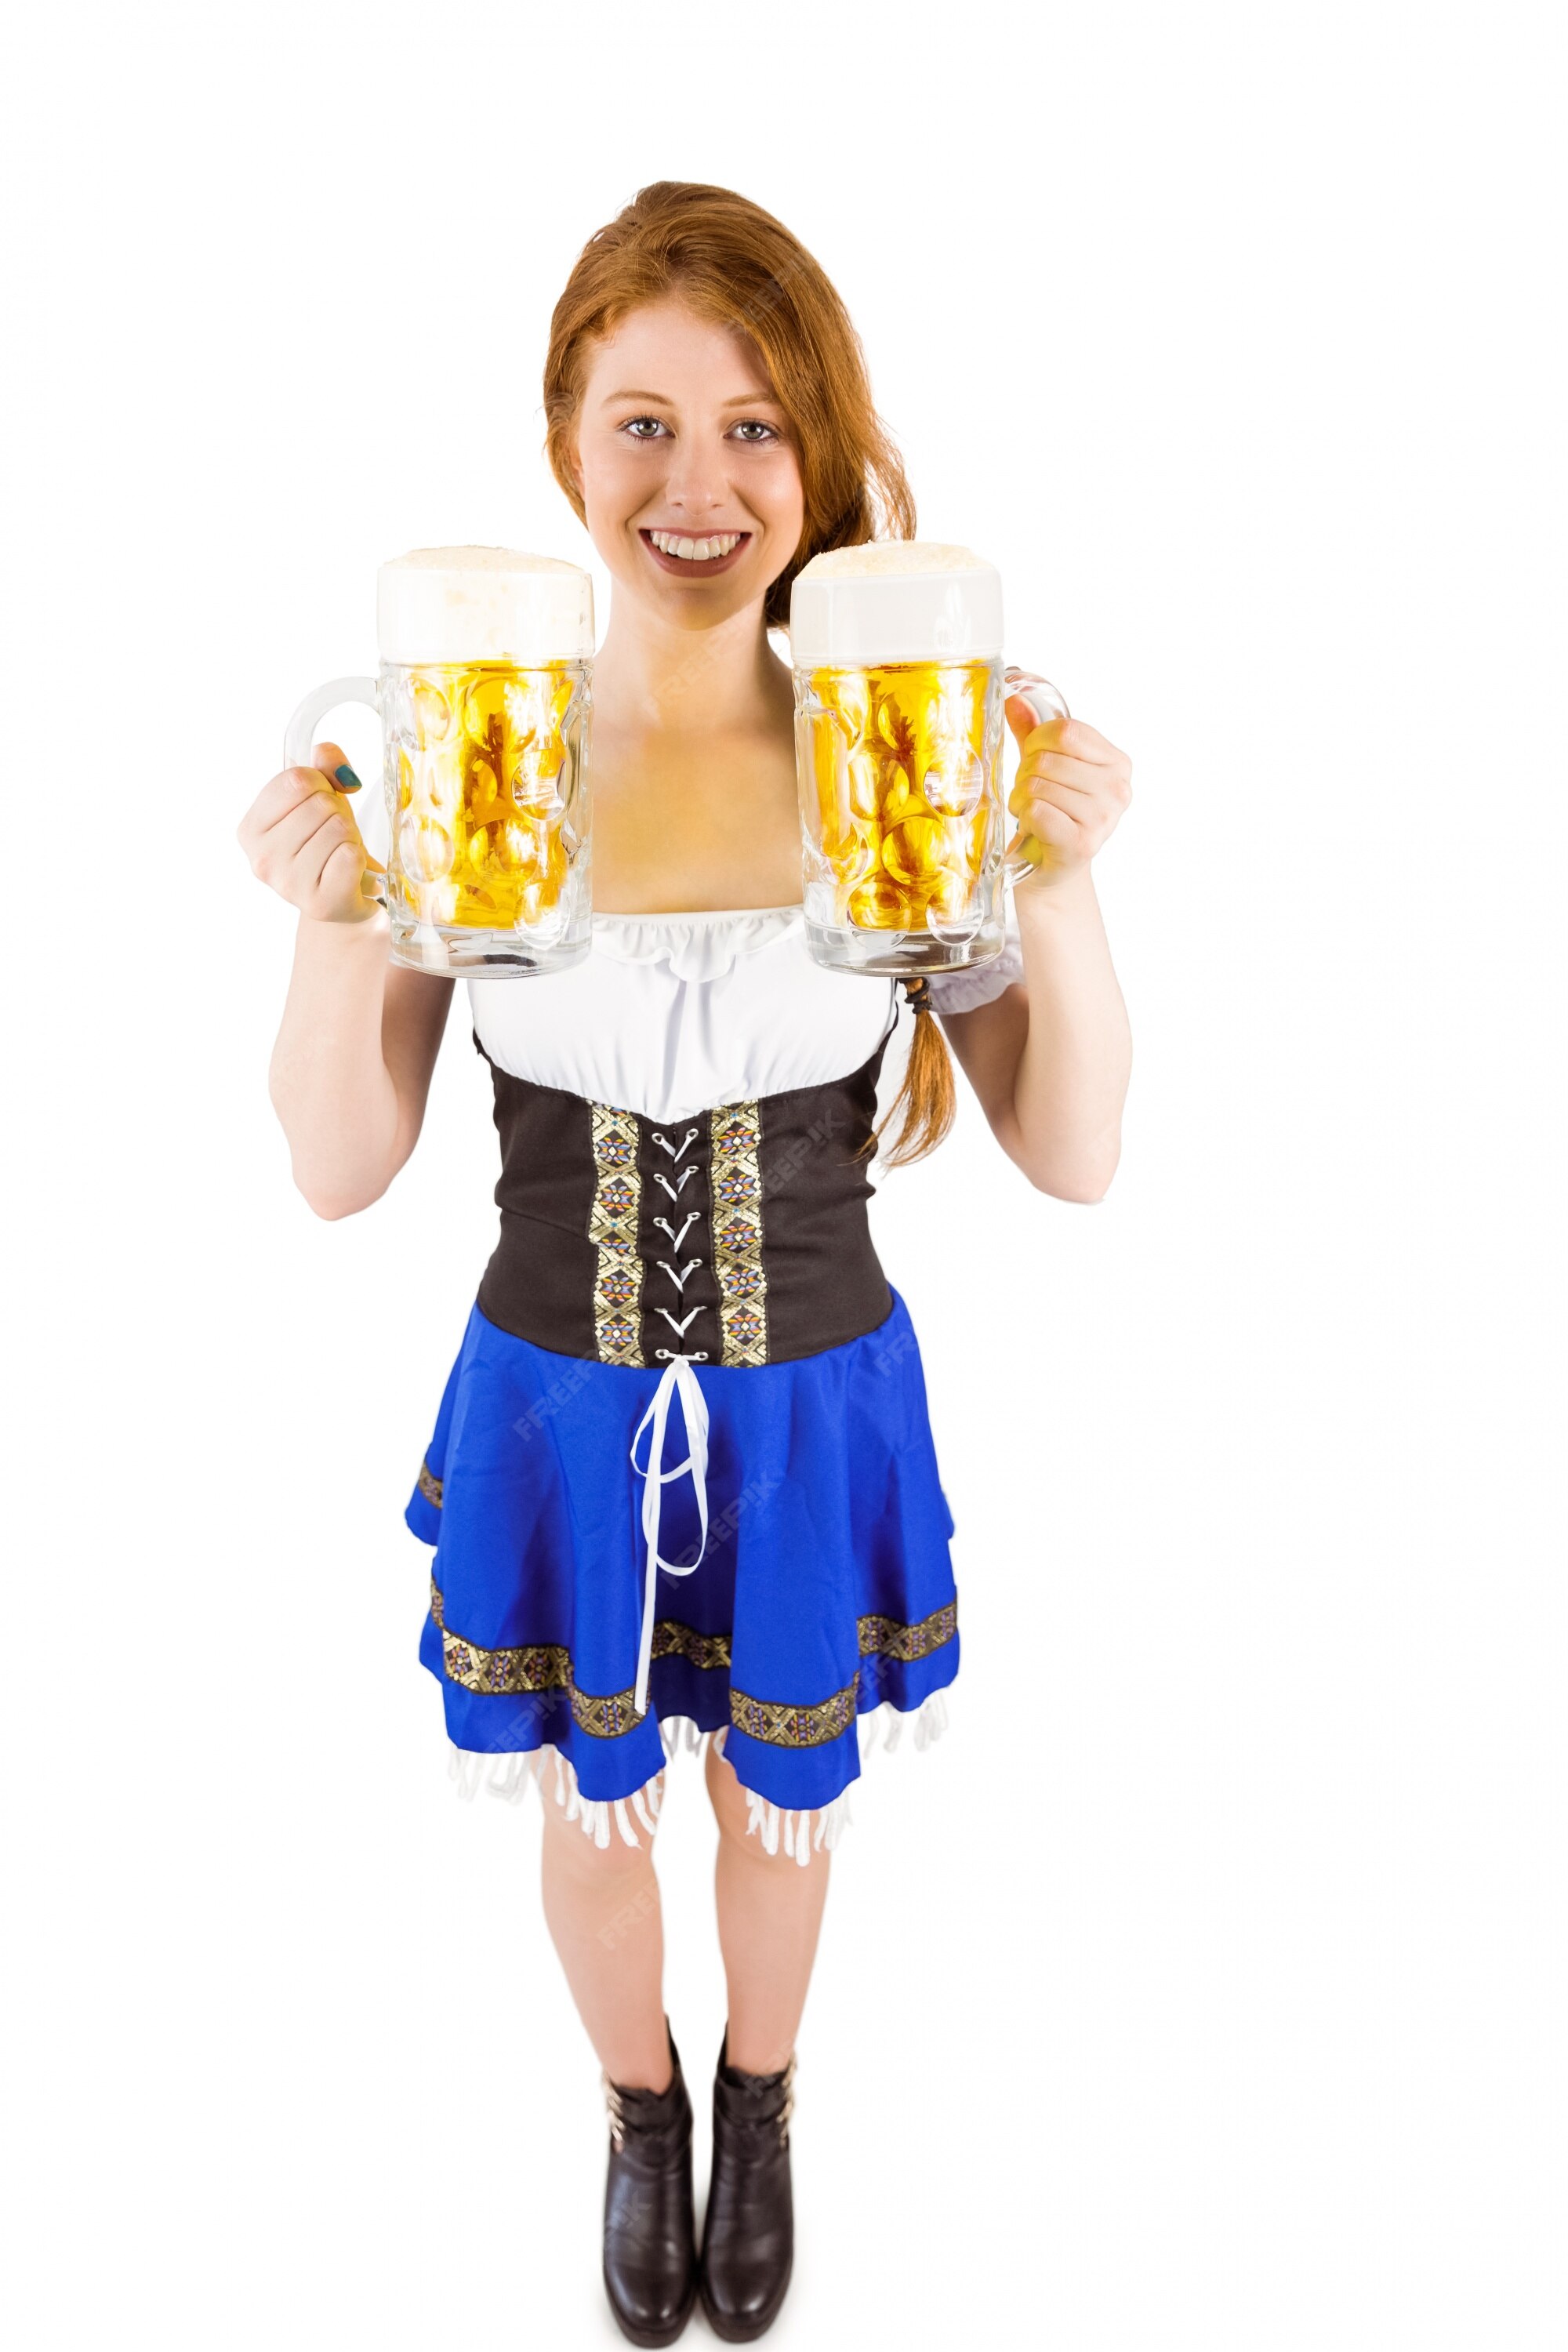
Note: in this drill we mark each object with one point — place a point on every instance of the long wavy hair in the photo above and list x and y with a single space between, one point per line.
734 265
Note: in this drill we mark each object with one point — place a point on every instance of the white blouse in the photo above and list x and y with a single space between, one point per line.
671 1015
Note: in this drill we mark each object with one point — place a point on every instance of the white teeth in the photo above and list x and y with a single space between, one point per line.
700 550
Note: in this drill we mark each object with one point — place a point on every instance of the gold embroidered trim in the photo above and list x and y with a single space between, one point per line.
672 1640
738 1235
612 1230
429 1485
795 1727
604 1719
884 1637
547 1666
499 1673
809 1727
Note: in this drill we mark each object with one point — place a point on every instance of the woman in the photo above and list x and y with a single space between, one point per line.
710 422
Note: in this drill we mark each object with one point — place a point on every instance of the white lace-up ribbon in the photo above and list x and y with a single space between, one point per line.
677 1374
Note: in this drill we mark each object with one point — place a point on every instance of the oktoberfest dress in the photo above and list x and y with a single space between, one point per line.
682 1481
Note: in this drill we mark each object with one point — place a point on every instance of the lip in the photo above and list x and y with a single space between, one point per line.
678 568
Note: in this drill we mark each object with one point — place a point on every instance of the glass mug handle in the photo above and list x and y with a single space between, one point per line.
299 742
1045 702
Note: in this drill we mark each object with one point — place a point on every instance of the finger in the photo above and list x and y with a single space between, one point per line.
277 797
1050 852
333 763
347 850
292 834
1058 824
1022 717
1055 768
1055 826
1075 738
1085 807
1110 788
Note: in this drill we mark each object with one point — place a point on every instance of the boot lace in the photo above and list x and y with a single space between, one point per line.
788 2107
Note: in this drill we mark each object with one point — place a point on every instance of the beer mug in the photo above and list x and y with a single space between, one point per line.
484 696
898 693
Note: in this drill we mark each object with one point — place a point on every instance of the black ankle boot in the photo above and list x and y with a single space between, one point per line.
748 2236
651 2230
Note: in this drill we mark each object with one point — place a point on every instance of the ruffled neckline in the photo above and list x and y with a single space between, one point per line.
700 944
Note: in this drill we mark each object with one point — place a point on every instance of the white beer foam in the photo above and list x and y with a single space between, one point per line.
483 604
879 557
895 600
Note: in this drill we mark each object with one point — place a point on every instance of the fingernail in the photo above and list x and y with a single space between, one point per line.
347 778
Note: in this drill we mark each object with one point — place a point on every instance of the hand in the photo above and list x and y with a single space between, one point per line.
1067 796
303 842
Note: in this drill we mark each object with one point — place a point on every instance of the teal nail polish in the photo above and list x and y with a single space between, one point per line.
347 778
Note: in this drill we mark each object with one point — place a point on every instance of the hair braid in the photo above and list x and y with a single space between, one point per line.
927 1097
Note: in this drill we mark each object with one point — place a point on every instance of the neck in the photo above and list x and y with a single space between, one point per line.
651 673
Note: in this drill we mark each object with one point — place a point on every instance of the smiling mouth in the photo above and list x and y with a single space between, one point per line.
695 555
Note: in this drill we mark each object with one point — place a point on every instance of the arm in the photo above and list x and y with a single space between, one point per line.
1050 1057
351 1066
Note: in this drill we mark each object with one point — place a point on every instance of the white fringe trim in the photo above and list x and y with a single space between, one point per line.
509 1777
930 1722
794 1827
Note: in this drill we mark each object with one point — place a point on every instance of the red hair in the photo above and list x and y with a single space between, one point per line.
734 265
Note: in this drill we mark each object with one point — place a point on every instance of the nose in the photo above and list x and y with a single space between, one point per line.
696 482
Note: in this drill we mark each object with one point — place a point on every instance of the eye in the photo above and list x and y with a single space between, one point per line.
749 424
631 421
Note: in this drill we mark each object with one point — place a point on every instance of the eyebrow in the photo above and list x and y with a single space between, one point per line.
742 400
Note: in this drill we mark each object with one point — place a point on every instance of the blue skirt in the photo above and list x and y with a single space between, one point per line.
822 1588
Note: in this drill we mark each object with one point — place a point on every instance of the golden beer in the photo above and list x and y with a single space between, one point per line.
484 696
484 765
899 754
899 696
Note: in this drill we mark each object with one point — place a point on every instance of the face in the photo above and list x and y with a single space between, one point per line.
687 466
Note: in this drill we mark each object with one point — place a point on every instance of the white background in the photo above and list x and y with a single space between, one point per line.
1203 1987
